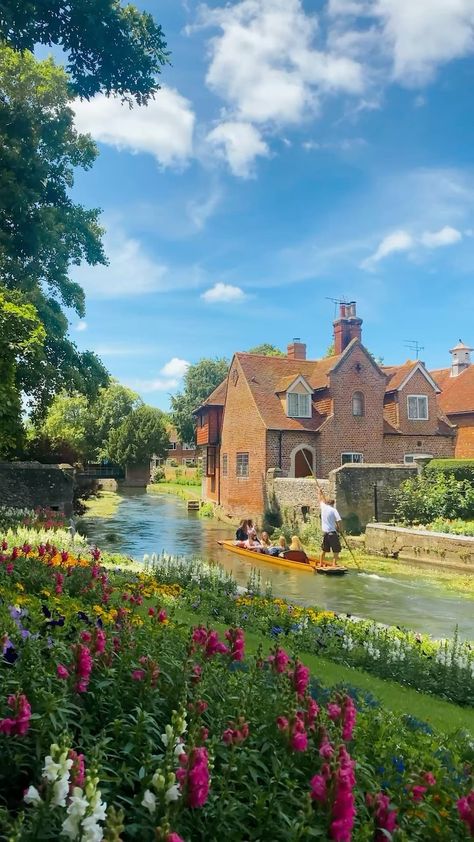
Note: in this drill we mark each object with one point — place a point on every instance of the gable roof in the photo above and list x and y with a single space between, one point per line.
457 395
399 375
268 375
287 382
216 398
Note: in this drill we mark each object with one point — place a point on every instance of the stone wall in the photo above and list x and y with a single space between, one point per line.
31 484
354 489
136 476
297 494
420 545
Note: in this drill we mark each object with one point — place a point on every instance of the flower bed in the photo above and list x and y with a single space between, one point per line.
39 518
117 722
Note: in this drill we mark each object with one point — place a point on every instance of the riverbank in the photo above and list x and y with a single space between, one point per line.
186 492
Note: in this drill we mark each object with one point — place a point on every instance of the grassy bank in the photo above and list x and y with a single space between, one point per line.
453 581
186 492
105 505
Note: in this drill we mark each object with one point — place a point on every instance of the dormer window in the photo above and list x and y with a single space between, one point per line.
299 406
417 407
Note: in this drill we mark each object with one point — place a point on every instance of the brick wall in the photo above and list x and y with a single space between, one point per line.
417 385
290 441
464 436
345 432
243 431
396 446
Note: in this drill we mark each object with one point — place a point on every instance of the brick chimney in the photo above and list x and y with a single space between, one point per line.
296 350
347 327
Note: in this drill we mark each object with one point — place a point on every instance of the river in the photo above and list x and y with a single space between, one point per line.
150 523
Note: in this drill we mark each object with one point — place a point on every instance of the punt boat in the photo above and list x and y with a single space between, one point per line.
292 558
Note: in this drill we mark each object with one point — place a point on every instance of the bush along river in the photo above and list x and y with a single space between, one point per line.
143 524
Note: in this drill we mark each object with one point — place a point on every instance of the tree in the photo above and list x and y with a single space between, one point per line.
199 381
266 350
41 230
142 435
109 47
113 405
68 422
21 342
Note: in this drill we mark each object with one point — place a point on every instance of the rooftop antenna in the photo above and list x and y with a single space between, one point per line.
415 346
337 302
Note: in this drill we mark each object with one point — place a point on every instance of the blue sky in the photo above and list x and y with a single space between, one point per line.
298 151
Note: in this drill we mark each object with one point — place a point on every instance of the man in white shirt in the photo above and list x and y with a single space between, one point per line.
331 525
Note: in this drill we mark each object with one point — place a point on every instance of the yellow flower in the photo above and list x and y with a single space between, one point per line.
45 593
19 586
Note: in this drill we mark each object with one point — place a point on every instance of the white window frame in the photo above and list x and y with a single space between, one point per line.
418 398
409 458
173 445
352 461
301 412
238 469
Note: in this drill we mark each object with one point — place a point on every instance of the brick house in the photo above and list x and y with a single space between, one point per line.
302 415
182 453
457 397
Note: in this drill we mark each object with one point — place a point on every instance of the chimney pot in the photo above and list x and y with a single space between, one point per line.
347 327
296 350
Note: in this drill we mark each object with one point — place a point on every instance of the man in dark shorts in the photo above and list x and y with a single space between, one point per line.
331 524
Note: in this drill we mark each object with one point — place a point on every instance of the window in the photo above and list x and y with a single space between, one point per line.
188 446
172 445
417 407
358 404
242 465
224 465
409 458
298 406
352 458
211 462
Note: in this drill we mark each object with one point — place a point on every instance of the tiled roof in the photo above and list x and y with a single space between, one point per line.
265 376
457 393
396 374
217 397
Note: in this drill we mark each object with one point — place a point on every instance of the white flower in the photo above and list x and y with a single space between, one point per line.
149 801
158 781
51 769
60 791
179 750
172 794
32 796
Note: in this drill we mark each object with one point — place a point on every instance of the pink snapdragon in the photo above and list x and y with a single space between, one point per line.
59 578
236 640
237 733
385 818
418 793
62 671
19 723
466 811
429 778
318 786
83 667
334 711
209 641
348 719
343 808
301 677
299 741
279 661
78 769
174 837
195 776
311 713
99 641
138 675
282 723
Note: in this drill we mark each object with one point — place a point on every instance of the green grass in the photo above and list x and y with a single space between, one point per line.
186 492
444 716
105 505
454 581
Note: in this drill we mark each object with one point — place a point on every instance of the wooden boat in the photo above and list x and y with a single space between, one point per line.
293 559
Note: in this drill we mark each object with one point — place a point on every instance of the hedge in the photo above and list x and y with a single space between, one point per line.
460 469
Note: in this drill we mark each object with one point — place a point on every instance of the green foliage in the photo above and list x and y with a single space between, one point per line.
68 421
331 350
42 231
142 435
21 343
157 475
206 510
110 48
452 527
114 403
272 516
199 381
460 469
422 499
266 350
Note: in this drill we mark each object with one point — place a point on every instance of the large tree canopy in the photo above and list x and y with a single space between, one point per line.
199 381
266 350
143 434
109 47
21 342
42 231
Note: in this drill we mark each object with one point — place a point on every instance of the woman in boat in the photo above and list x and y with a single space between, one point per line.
282 545
296 544
265 541
242 531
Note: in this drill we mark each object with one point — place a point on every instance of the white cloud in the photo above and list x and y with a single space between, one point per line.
223 293
200 211
412 38
81 326
400 241
239 144
131 271
264 63
164 128
175 368
446 236
395 242
157 384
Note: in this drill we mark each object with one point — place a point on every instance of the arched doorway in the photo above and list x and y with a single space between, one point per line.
303 462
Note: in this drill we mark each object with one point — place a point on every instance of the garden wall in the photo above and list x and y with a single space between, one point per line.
295 494
26 485
420 545
361 489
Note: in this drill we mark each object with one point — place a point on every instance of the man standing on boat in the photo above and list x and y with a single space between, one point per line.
331 525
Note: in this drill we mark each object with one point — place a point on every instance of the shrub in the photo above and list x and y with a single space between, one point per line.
206 510
460 469
422 499
158 474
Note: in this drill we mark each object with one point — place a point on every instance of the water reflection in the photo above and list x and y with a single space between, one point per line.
147 523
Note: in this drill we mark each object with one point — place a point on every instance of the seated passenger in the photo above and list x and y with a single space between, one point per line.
242 531
265 540
282 546
251 531
296 544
